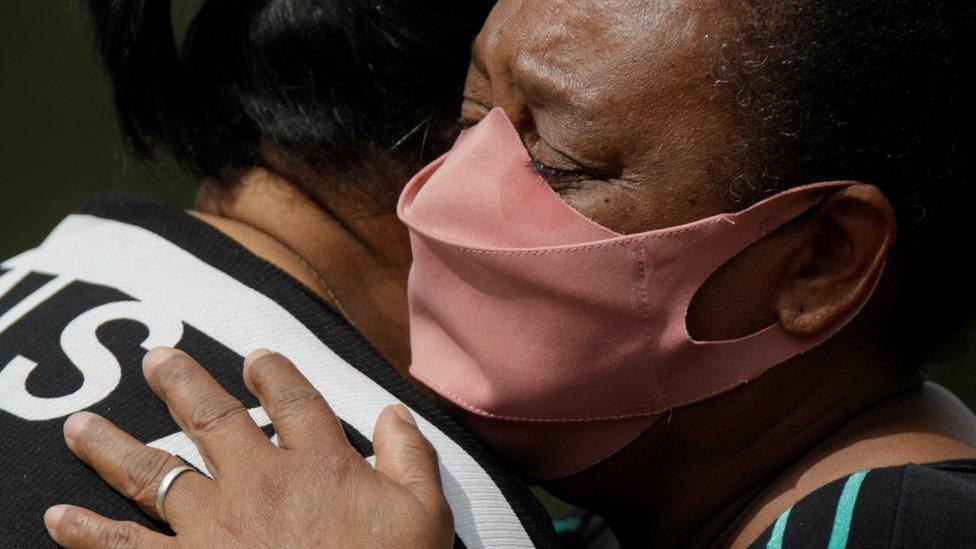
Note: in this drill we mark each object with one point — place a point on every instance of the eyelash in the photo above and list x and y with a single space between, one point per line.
547 172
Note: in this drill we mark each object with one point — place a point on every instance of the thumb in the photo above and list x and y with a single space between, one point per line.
405 455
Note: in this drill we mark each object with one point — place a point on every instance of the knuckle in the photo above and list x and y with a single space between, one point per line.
119 536
422 449
292 400
442 513
339 465
428 450
213 413
143 470
272 487
231 523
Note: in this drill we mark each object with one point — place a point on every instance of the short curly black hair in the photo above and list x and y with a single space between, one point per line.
879 91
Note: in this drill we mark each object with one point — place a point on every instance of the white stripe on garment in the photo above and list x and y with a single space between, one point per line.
173 282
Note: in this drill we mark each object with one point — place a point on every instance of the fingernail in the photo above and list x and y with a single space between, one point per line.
255 354
155 357
404 414
52 517
76 424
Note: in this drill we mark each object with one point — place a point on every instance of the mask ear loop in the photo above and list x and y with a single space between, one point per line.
748 227
719 366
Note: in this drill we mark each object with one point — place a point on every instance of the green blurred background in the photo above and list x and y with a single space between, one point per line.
58 143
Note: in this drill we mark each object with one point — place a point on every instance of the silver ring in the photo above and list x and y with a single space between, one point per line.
165 484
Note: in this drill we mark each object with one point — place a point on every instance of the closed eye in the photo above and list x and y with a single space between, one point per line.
555 174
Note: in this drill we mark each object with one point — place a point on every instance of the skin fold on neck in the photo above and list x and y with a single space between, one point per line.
357 257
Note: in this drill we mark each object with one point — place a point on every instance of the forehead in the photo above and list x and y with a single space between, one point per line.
595 51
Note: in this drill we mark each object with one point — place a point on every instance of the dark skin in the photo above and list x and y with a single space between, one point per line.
615 102
618 108
277 220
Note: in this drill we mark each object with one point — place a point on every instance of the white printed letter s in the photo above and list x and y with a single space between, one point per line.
100 369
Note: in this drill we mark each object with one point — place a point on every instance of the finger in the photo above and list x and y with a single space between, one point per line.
301 417
216 421
76 528
134 469
405 455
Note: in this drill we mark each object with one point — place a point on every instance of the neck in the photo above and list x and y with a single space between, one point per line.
719 472
356 262
921 424
711 487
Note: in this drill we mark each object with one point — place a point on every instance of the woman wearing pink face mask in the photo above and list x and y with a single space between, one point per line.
697 296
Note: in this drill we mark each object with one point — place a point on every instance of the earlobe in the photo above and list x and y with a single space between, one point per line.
847 239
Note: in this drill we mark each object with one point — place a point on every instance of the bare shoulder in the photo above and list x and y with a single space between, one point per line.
924 426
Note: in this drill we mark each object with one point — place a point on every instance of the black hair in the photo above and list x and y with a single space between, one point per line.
879 91
331 83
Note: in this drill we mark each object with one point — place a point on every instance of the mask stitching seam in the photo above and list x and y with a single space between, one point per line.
642 261
471 407
623 240
490 415
549 251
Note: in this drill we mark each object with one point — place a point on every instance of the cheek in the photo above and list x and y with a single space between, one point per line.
629 207
740 298
604 203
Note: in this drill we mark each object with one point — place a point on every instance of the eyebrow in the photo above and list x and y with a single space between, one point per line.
543 86
533 77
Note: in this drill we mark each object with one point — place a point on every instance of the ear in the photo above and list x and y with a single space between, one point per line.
849 237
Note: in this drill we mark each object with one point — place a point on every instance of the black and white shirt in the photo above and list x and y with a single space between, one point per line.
125 275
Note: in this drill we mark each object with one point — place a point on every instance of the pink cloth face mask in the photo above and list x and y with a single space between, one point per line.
560 339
